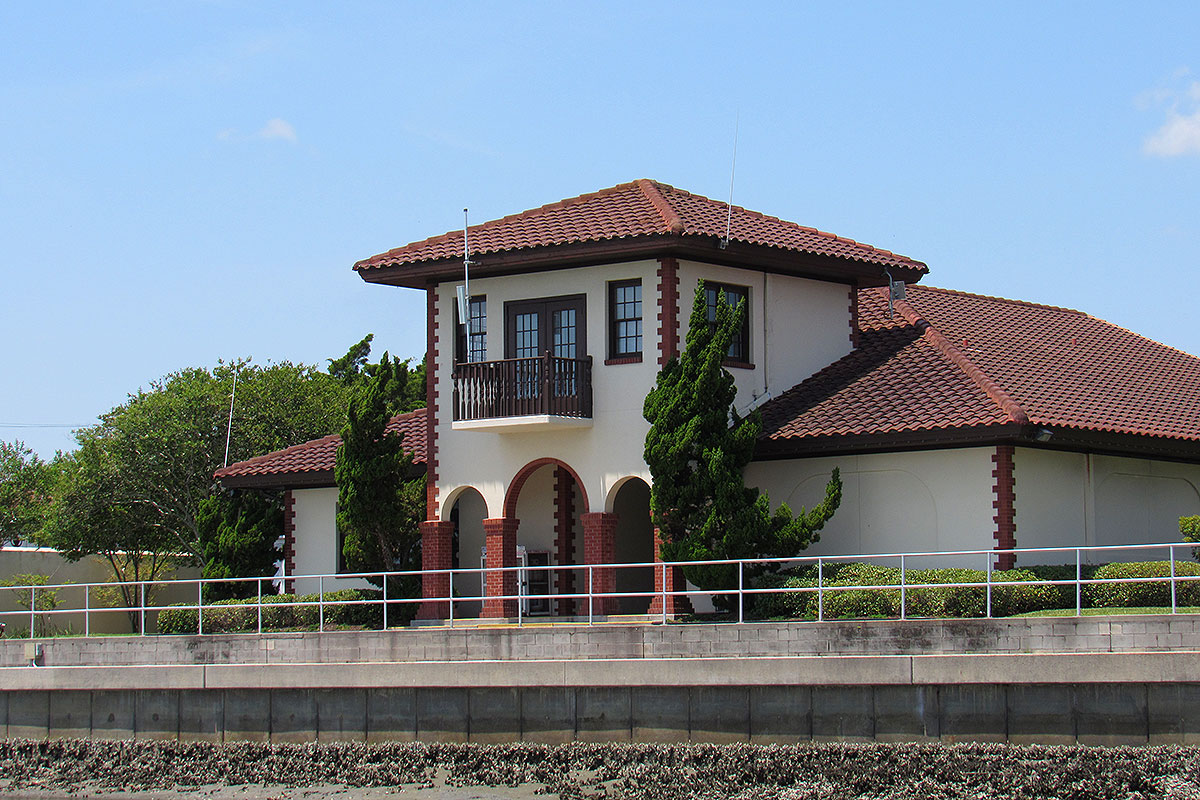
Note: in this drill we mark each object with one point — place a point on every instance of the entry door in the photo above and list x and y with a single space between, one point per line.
556 324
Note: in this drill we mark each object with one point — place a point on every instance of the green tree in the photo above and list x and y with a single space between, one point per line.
25 487
237 536
353 370
697 450
379 506
91 514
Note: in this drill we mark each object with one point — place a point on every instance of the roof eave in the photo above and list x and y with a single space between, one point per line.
707 249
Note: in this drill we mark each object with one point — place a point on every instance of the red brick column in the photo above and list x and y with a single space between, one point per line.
600 547
500 537
676 604
289 541
564 542
1005 504
437 552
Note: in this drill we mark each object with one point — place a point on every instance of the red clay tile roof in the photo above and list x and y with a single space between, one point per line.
949 361
642 208
312 462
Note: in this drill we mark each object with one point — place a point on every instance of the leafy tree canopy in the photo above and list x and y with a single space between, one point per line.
697 450
237 535
25 490
379 506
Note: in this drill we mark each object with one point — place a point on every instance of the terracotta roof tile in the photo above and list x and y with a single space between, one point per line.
317 455
949 359
641 208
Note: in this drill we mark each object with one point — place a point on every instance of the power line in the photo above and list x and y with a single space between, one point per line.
45 424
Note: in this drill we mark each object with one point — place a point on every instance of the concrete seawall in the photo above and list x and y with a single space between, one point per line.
1130 680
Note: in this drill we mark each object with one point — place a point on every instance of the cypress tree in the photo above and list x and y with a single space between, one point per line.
697 449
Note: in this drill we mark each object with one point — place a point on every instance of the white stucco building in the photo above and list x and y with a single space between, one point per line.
956 420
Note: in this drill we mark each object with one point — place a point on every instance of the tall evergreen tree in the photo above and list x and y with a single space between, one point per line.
697 450
237 537
379 507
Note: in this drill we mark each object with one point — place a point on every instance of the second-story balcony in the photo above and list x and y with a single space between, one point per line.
517 394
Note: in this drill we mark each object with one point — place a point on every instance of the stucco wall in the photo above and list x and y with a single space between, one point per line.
797 326
1074 499
893 502
316 540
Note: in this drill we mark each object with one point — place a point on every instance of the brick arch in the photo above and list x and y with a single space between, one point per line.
518 482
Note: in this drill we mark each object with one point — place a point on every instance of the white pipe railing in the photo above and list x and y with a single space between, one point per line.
146 589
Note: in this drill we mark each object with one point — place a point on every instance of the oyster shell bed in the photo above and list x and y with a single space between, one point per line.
652 771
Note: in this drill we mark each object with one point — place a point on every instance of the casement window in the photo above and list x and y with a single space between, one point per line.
472 338
625 319
739 347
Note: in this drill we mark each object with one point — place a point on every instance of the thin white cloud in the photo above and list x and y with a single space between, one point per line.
277 129
1179 135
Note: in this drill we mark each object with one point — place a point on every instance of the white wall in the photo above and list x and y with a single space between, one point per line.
1074 499
806 322
316 540
893 502
797 326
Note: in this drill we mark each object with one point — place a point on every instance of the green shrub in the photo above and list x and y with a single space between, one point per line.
339 612
278 613
1147 593
1189 529
1064 572
177 620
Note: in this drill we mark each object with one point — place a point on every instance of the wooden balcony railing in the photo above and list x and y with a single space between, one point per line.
517 387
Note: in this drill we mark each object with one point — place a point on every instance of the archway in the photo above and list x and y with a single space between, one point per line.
634 544
467 512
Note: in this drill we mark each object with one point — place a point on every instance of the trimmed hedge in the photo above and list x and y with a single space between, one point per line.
241 616
1148 593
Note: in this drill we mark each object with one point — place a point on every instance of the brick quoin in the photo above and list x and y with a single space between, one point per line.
668 309
676 604
600 547
437 552
500 536
564 542
1005 491
431 398
289 539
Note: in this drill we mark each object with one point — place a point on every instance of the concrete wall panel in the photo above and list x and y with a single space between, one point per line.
547 714
603 713
843 713
443 715
781 714
247 715
156 714
906 713
28 715
495 715
1173 713
391 715
201 715
1040 714
341 715
719 714
1112 714
70 715
293 715
660 714
973 713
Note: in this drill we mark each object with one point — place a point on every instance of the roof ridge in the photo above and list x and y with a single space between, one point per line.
670 218
936 338
492 223
1009 300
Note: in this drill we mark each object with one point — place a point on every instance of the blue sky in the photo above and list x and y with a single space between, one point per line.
182 182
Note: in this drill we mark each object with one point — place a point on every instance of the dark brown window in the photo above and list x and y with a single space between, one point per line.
739 347
554 324
471 342
624 318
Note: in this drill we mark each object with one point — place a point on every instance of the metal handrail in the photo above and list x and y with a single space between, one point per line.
143 589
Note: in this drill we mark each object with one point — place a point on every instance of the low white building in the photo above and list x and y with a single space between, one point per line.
956 420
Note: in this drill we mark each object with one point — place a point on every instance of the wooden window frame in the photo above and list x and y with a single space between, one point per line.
740 358
615 353
463 334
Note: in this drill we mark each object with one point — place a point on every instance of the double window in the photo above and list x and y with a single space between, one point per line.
625 319
739 346
472 338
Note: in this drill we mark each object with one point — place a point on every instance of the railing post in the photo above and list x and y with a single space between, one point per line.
385 577
259 582
32 609
820 589
520 599
741 592
664 592
1078 584
903 599
590 574
989 586
321 604
1172 551
200 607
450 592
142 608
87 609
547 385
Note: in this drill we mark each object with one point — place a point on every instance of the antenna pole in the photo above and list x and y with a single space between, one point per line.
466 258
229 427
732 171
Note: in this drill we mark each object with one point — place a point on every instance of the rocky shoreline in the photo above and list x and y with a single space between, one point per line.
76 768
